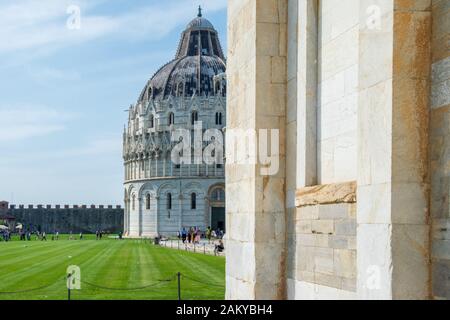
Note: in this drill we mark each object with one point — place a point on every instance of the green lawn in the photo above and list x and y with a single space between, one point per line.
111 265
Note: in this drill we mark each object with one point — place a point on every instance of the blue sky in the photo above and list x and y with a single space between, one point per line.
63 91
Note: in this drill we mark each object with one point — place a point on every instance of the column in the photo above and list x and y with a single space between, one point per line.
256 248
140 212
306 67
393 184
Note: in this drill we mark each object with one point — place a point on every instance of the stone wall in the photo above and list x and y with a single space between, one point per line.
367 100
322 243
65 219
338 45
256 75
440 149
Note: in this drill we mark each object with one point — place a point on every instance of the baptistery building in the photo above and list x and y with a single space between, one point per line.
162 195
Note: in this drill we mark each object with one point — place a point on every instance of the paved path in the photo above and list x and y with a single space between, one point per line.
202 247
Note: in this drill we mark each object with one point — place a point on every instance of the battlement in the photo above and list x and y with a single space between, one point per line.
66 218
63 207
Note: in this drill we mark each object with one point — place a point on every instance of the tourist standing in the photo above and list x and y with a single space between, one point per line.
189 235
183 235
208 234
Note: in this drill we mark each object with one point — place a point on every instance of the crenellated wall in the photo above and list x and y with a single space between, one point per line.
65 219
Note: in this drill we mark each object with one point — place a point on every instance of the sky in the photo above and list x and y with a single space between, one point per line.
68 71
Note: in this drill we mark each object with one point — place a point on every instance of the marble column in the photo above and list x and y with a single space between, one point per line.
393 184
256 75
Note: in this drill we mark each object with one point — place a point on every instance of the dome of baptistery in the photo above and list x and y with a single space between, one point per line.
199 58
162 197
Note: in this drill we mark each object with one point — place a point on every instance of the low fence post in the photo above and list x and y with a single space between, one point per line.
204 248
179 286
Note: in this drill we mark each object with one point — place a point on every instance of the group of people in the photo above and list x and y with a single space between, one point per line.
5 235
98 235
194 234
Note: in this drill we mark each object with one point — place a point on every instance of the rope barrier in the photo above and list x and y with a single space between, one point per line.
129 289
202 282
29 290
154 284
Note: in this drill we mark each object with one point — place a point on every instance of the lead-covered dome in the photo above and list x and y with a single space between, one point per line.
198 60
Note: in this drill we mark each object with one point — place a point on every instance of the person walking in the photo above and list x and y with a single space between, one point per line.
183 235
44 236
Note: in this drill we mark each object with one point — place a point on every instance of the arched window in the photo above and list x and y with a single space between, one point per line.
152 121
169 201
194 117
147 202
180 89
193 201
218 118
149 94
171 120
218 194
217 88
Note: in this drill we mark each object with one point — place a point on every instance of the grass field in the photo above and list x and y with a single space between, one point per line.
109 268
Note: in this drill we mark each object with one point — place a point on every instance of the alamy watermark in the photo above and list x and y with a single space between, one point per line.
243 147
73 22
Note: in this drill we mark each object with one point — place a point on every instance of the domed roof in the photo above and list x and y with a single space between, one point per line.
200 22
199 58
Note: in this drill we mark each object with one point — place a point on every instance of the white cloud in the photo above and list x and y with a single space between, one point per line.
30 24
20 123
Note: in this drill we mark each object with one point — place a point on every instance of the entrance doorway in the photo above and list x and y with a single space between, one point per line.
218 218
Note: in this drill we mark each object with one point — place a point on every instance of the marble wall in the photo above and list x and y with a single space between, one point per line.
439 145
364 200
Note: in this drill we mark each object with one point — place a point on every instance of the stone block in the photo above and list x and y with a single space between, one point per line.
323 260
345 263
303 226
327 280
333 211
326 194
338 242
312 240
322 226
308 213
441 279
345 227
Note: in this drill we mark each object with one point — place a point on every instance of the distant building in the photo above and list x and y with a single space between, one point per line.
162 197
